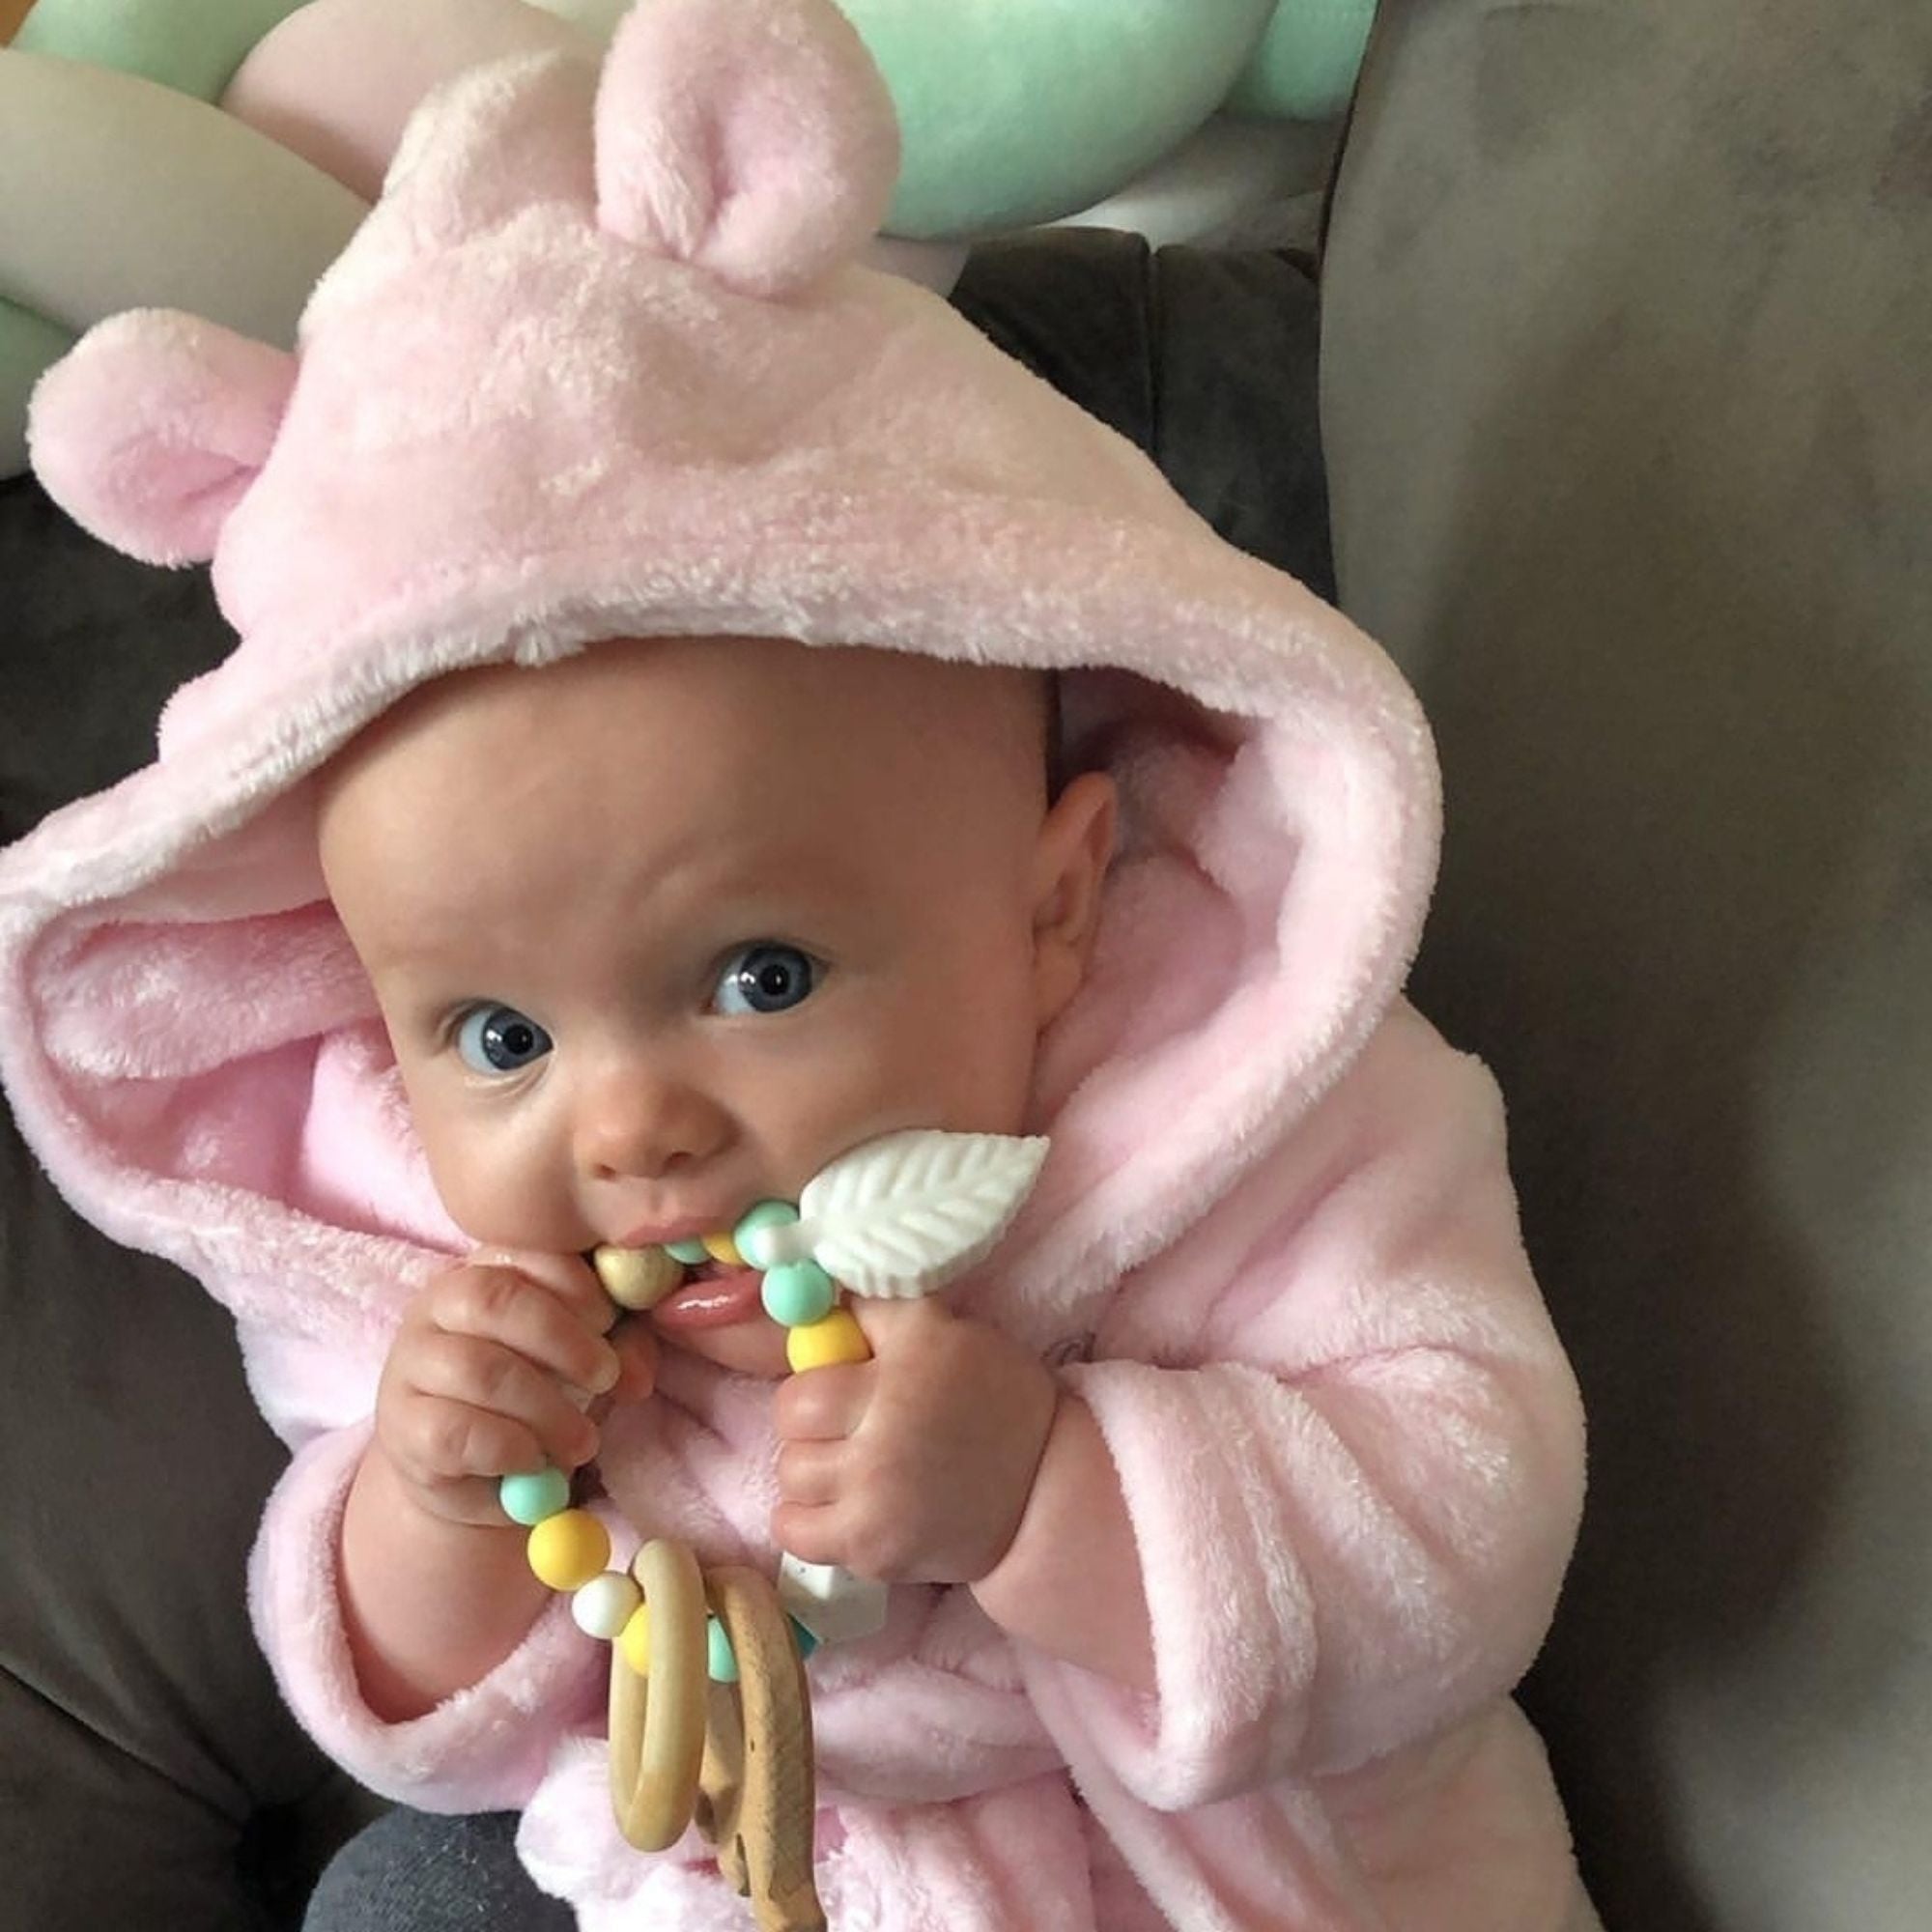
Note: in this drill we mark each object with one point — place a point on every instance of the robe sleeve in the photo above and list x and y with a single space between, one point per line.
486 1747
1350 1449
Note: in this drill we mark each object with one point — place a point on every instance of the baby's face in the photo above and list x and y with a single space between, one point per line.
659 931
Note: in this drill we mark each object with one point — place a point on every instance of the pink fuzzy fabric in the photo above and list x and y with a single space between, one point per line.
599 363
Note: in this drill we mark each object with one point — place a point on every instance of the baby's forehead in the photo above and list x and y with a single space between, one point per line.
683 771
692 701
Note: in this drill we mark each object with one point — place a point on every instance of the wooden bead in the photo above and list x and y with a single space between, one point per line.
637 1278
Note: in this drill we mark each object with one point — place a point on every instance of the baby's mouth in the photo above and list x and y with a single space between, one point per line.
705 1283
712 1295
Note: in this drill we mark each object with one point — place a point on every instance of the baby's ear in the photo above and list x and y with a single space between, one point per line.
151 428
1071 861
755 140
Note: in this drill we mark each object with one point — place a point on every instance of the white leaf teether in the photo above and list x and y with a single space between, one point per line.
901 1216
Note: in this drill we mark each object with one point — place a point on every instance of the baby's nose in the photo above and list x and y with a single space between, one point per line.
648 1129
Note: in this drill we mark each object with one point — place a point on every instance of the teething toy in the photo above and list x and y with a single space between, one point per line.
730 1753
896 1217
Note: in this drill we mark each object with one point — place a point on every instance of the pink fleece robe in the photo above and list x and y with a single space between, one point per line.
599 364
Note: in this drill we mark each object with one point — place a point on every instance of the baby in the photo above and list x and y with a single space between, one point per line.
657 933
700 708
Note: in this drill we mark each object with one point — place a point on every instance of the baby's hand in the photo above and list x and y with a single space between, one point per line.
916 1465
490 1373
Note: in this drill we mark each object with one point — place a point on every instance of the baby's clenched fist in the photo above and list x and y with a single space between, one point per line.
491 1372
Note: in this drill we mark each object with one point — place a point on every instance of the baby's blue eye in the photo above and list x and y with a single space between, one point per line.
765 978
499 1040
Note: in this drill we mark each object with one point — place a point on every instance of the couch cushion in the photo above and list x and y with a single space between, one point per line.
1204 358
1628 400
147 1752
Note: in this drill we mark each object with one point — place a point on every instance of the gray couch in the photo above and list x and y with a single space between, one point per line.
1627 395
1626 354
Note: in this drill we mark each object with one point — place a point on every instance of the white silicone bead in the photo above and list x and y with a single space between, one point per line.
603 1606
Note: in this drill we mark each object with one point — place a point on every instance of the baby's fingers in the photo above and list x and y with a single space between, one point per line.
506 1307
570 1278
471 1374
441 1444
637 1347
810 1473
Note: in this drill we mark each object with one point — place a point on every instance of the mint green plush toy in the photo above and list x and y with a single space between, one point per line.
1012 112
1305 67
186 47
191 46
1021 111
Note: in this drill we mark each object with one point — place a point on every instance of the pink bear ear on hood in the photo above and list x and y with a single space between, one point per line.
755 140
151 428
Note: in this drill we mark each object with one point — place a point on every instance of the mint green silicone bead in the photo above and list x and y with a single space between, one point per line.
722 1663
798 1292
766 1214
533 1499
690 1252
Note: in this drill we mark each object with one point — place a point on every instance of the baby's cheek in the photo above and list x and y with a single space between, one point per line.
500 1195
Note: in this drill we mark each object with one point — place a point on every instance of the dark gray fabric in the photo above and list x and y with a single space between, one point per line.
412 1872
150 1779
1206 361
1628 404
91 643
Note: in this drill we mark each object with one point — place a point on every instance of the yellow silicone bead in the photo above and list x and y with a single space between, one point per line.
822 1343
635 1640
722 1248
568 1548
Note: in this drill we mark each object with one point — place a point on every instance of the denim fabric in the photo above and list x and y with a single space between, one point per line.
411 1872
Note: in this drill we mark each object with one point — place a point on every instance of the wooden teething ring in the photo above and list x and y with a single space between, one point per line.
734 1759
759 1802
657 1721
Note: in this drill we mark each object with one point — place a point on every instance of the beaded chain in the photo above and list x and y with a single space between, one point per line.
568 1548
896 1217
